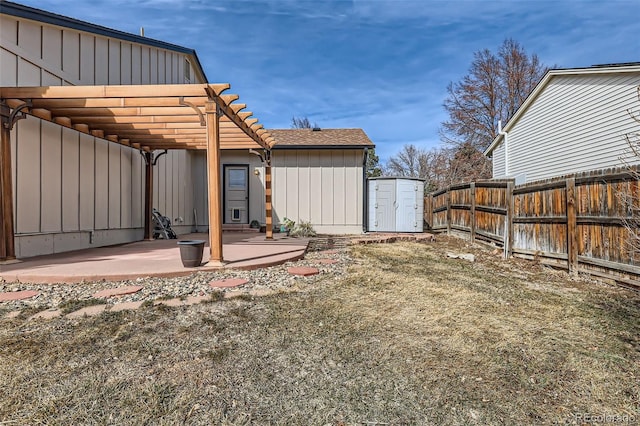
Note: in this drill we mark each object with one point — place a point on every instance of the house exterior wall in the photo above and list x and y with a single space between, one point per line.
174 189
498 161
324 187
71 190
577 123
230 157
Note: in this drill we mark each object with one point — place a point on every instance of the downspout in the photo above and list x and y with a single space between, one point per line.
506 148
365 192
507 237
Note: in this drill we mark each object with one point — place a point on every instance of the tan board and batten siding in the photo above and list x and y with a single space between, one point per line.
71 190
577 122
229 157
324 187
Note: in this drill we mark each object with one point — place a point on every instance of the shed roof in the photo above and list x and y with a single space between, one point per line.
550 75
320 138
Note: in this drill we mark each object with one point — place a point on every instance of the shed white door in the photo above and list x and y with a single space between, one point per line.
385 205
236 194
396 205
407 214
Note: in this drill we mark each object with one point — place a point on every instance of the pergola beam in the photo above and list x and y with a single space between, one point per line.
126 111
117 102
158 131
196 146
113 91
187 147
128 119
149 126
164 137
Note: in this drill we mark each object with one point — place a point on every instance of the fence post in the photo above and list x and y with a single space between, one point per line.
472 189
572 231
428 210
508 221
449 210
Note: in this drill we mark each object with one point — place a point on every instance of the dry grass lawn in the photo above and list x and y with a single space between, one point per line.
410 337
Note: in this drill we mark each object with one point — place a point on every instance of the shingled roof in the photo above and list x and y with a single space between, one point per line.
320 138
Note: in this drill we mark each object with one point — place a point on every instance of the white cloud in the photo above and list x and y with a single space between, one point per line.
382 65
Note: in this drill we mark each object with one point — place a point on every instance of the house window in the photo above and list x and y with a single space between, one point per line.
237 179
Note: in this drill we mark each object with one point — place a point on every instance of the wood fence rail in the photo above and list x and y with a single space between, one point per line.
584 222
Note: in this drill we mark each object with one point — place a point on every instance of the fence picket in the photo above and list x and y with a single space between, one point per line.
572 232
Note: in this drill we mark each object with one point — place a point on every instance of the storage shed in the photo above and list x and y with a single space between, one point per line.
395 204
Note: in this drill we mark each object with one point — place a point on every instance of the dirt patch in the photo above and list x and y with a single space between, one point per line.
408 336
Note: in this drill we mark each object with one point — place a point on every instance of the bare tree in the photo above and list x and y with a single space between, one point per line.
302 123
468 164
439 167
411 161
493 90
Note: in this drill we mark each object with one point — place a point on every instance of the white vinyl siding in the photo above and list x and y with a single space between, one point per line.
497 161
323 187
72 190
577 123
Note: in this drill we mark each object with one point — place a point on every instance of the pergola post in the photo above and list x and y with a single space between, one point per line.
267 198
7 233
213 176
148 195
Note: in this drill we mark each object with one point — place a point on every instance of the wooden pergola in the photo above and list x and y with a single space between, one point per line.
144 117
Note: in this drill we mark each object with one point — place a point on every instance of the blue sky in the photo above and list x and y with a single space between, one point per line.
380 65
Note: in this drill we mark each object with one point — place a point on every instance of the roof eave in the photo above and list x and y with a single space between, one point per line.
493 145
198 67
283 147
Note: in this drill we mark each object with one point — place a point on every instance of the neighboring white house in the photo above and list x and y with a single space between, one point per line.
574 120
73 190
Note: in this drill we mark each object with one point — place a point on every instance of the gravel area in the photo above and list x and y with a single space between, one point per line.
275 278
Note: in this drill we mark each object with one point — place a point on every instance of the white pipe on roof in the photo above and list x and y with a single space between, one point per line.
506 148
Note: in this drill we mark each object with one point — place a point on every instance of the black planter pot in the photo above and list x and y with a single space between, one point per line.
191 252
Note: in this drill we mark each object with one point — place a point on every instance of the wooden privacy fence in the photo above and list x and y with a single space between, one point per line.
585 222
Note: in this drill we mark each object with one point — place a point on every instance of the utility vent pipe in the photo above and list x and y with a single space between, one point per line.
506 147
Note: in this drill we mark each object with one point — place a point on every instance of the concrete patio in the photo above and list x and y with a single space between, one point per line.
157 258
